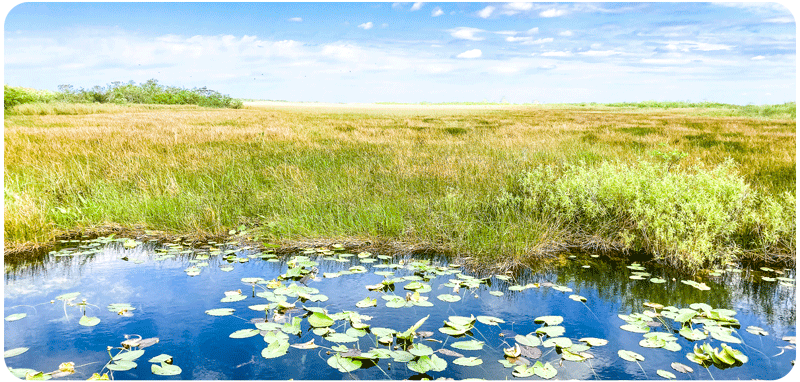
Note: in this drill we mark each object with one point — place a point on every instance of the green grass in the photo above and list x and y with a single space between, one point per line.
438 178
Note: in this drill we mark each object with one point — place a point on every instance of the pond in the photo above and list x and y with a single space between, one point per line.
153 310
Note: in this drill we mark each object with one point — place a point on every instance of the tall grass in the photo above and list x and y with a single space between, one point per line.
425 177
692 217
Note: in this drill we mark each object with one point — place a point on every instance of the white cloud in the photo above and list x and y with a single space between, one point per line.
542 40
780 20
474 53
666 61
365 26
437 12
466 33
696 45
557 54
507 33
552 12
599 53
758 58
518 6
384 25
486 12
566 33
518 39
296 19
533 30
417 6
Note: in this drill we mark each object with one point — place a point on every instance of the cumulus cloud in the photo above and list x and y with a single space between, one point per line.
296 19
365 26
758 58
486 12
518 6
474 53
552 12
437 12
566 33
466 33
533 30
417 6
696 45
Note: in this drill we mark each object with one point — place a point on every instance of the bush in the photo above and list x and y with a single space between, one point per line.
689 217
149 92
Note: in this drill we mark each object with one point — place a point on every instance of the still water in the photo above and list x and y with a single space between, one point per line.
170 290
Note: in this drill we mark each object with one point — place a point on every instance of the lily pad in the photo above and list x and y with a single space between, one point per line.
275 349
757 331
320 320
594 341
425 364
448 297
233 298
681 367
468 361
549 320
245 333
367 302
630 356
14 352
160 358
545 371
89 321
16 316
305 345
128 355
490 320
665 374
165 369
552 331
468 345
496 293
340 337
121 365
68 296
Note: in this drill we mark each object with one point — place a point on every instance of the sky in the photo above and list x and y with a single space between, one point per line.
741 53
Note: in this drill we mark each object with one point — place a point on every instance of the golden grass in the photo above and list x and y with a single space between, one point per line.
318 172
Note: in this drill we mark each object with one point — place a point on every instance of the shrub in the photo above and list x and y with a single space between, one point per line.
689 217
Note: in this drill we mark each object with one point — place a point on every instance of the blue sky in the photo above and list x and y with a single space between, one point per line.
412 52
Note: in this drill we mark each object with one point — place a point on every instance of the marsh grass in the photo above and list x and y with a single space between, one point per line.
428 176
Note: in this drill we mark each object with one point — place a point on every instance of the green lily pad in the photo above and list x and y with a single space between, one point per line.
275 336
496 293
520 371
68 296
425 364
656 280
344 365
468 345
757 331
545 371
552 331
549 320
630 356
665 374
128 355
490 320
367 302
468 361
245 333
320 320
448 297
220 312
16 316
402 356
89 321
340 338
420 350
681 367
561 342
275 349
160 358
121 365
594 341
14 352
165 369
234 298
529 340
577 298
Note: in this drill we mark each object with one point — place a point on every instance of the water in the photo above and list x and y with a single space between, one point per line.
171 306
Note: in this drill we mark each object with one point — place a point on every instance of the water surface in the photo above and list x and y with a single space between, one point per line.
171 305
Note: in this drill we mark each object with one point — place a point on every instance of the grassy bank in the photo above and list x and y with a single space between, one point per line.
474 181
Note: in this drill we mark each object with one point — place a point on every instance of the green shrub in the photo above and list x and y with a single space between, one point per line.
13 96
689 217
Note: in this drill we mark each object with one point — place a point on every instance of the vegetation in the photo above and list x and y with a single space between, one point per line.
502 185
149 92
